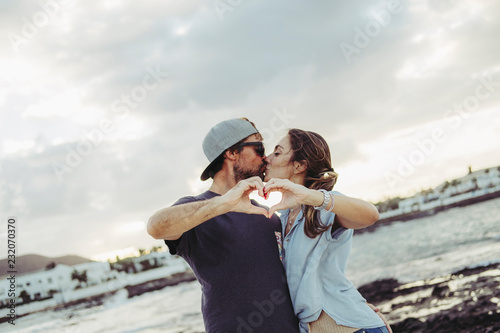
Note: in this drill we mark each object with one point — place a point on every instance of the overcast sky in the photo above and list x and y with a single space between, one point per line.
104 105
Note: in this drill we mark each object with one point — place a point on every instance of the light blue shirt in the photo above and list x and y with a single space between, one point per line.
315 270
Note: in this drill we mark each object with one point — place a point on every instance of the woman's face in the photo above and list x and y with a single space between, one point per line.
279 164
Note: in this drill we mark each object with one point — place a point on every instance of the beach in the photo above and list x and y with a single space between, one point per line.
465 301
435 274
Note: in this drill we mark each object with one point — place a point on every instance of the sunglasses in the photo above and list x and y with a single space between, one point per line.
259 147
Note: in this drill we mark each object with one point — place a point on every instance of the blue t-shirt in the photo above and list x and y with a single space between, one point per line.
235 257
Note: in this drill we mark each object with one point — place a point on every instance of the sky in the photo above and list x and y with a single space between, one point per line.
104 105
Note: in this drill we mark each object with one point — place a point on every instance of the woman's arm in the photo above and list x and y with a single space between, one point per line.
350 212
353 213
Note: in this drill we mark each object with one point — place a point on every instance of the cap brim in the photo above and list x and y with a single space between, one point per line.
206 173
204 176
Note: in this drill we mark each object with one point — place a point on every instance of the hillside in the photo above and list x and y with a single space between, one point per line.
33 262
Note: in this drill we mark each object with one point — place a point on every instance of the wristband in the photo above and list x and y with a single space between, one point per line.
326 200
333 202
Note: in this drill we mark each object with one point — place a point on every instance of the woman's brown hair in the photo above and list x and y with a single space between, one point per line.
310 148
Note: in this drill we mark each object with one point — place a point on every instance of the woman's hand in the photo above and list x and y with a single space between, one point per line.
377 310
293 194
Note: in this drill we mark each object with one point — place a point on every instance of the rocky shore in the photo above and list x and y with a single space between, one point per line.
160 283
465 301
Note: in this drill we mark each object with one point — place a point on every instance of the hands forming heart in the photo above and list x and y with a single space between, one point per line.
292 195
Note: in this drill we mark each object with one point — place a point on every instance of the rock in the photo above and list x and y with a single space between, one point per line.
380 290
441 290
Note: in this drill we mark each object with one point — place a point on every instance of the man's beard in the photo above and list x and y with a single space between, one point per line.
241 173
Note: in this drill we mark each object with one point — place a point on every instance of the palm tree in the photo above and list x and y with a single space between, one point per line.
158 248
25 296
80 277
445 186
474 181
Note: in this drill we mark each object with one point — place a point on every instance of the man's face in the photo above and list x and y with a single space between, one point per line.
250 163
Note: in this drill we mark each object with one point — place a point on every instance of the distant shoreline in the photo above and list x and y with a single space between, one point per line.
420 214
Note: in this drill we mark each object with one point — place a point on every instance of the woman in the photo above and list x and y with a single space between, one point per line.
317 227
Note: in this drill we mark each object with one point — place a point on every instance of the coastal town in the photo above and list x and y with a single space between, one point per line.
475 186
59 285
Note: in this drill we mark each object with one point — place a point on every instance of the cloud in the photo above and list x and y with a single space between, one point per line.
82 65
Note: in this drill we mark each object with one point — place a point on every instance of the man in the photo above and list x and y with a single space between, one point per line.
228 240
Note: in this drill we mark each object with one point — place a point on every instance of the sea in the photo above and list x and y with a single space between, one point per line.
409 251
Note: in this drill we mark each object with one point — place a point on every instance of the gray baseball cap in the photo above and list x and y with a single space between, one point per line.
222 136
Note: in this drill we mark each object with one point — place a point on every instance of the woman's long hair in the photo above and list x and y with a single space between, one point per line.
310 148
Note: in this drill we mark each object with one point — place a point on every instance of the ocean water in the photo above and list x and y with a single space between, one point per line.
428 247
409 251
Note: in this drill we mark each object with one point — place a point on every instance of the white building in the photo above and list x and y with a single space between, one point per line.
54 282
148 261
411 204
163 258
481 179
474 184
97 272
39 285
60 284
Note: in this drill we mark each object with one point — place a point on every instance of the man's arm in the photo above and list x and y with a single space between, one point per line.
171 222
350 212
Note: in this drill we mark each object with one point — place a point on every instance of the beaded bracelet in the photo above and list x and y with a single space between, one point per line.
326 200
333 202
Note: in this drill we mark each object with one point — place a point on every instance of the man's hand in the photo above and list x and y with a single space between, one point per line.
237 199
377 310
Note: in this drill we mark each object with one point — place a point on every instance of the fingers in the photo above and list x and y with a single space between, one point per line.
277 185
377 310
275 208
252 184
259 211
373 307
385 322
